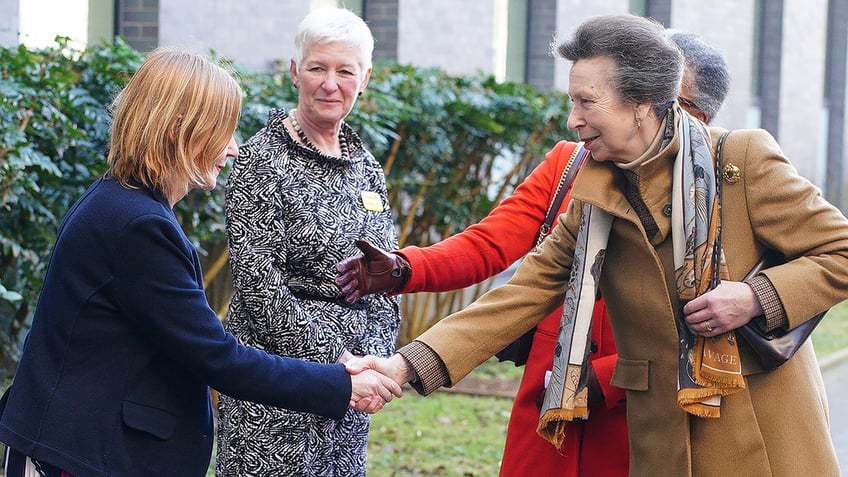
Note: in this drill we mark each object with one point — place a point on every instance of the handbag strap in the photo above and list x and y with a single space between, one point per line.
716 278
565 180
768 257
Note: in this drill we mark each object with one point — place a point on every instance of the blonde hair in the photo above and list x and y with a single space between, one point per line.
173 119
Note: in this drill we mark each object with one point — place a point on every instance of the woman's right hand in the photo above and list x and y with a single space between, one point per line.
728 306
374 271
371 390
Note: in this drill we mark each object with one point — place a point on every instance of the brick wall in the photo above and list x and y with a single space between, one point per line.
138 23
382 17
541 27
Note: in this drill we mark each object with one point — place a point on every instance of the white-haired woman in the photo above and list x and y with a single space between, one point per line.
302 190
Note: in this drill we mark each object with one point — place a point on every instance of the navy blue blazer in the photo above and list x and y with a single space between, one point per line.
114 372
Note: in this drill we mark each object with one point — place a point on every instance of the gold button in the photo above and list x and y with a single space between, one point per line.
731 174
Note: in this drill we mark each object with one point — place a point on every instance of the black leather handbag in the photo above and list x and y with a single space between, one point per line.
774 347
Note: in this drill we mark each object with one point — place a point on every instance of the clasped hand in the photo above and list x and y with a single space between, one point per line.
370 388
390 374
727 307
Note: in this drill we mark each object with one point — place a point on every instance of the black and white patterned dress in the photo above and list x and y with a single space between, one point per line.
293 213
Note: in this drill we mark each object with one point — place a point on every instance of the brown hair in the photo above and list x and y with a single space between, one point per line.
175 116
649 66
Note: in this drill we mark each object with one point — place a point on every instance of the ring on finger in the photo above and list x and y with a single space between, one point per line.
709 327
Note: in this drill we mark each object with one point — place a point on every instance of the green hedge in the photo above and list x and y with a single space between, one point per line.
451 146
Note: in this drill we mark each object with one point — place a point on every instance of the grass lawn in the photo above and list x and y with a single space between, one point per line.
445 434
831 335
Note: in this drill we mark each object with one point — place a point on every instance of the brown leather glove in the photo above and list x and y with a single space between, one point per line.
375 271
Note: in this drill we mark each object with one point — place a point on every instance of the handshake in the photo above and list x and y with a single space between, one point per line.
375 381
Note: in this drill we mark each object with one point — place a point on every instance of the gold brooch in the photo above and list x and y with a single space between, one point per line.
731 174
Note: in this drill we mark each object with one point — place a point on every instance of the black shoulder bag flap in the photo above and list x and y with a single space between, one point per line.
775 347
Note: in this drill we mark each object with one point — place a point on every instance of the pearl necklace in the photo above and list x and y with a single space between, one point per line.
310 145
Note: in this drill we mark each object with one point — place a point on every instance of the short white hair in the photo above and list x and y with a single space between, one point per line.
330 24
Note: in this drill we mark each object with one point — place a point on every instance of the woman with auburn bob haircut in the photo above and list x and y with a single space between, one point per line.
115 370
202 103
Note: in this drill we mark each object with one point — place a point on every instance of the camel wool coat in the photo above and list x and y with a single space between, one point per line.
778 425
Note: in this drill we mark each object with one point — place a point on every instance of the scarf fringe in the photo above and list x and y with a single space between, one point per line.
726 380
699 409
553 423
700 402
726 383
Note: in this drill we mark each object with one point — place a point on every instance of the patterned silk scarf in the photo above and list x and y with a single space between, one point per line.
708 368
566 394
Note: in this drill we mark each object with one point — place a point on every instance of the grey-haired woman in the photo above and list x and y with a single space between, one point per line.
301 191
642 227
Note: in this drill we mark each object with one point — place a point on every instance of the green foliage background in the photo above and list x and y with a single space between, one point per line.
451 146
53 131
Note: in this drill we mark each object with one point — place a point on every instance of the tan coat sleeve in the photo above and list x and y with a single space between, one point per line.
773 206
467 338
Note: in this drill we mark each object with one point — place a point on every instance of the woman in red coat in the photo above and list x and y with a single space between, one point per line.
597 446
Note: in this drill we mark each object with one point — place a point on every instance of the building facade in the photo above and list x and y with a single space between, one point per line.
787 57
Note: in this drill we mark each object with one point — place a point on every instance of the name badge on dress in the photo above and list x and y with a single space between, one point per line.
372 201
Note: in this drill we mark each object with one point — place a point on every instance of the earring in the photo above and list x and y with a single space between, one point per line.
359 94
638 123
